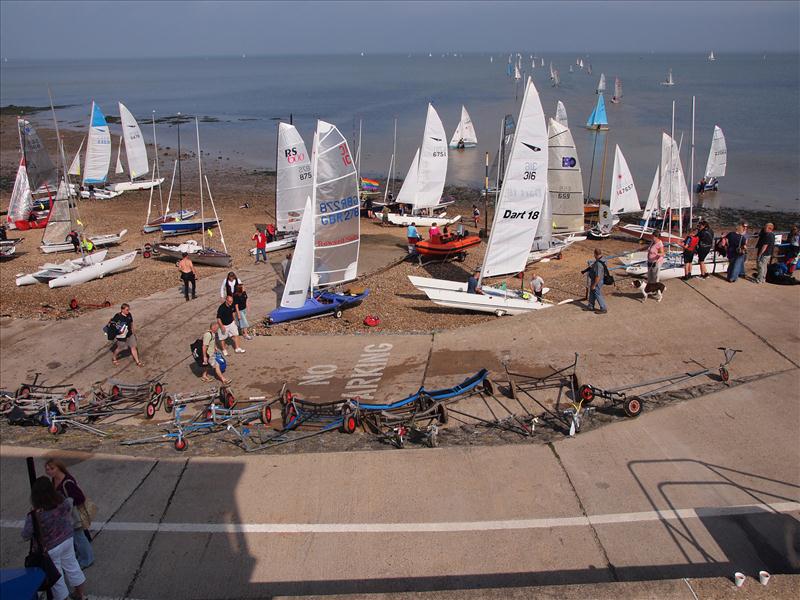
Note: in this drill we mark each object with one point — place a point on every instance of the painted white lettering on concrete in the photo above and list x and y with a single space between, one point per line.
367 372
318 375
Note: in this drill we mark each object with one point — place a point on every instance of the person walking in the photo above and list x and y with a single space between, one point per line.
53 515
793 249
125 339
537 286
227 326
705 241
736 243
764 248
67 486
655 258
597 274
413 236
689 246
261 244
476 215
188 275
240 304
228 285
209 354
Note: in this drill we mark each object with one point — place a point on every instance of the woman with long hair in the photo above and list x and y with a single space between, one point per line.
68 487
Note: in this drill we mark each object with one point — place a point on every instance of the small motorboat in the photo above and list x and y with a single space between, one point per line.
453 246
320 305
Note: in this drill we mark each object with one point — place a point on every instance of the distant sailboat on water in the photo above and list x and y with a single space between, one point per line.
717 162
464 135
711 57
617 97
598 119
601 85
668 80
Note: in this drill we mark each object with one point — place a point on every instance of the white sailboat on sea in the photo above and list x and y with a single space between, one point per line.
518 214
98 158
556 78
717 160
464 135
669 80
617 97
135 155
424 183
517 75
711 57
623 197
601 85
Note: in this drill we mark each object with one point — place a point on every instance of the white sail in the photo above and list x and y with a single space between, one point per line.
673 191
524 192
718 155
711 56
552 71
60 221
465 132
624 198
337 231
618 88
652 197
408 191
601 85
75 167
564 181
21 203
561 114
41 171
135 150
294 178
517 75
98 149
580 64
432 162
118 168
556 78
299 278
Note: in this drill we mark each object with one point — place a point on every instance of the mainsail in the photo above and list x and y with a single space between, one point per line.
601 85
298 280
432 162
75 167
21 203
135 151
98 150
624 198
41 170
521 200
408 191
617 89
598 118
498 167
564 181
672 191
465 132
60 222
294 178
561 114
718 155
652 197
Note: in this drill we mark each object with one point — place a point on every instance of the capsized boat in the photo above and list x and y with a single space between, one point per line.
50 271
464 135
94 271
328 242
135 154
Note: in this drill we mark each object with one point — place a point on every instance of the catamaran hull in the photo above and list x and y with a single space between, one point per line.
281 244
199 255
189 226
127 186
327 303
429 283
98 240
51 271
674 269
406 220
498 305
556 248
95 271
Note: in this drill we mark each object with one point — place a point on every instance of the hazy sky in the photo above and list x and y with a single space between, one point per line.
164 29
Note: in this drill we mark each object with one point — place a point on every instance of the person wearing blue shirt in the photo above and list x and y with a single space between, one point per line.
413 237
472 283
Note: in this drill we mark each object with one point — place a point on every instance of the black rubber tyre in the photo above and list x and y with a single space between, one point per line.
488 386
106 304
146 254
586 393
55 429
266 415
442 415
181 444
632 407
400 440
169 404
71 405
433 439
724 375
338 314
150 410
289 414
72 393
73 304
158 388
461 256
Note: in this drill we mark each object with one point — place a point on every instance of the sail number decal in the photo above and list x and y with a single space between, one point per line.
345 154
305 172
292 156
624 189
338 211
439 154
529 174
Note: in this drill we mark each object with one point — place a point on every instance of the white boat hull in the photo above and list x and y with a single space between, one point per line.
646 233
51 271
100 194
95 271
428 283
98 240
489 303
557 246
126 186
281 244
673 268
406 220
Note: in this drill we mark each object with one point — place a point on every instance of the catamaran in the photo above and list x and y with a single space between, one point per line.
328 242
668 80
135 155
623 197
519 213
36 172
617 97
424 183
98 158
464 135
717 161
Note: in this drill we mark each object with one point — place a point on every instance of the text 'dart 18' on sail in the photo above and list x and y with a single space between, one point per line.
519 206
564 180
41 170
293 178
432 162
336 208
135 151
98 149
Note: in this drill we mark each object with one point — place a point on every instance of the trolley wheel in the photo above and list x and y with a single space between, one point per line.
289 414
586 393
115 391
24 391
209 414
150 410
230 400
349 423
158 388
72 393
286 397
147 254
499 313
266 415
488 386
338 314
632 407
433 439
442 415
181 444
724 375
71 405
400 440
73 304
169 404
56 428
559 257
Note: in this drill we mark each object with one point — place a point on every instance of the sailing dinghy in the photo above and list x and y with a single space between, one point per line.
36 175
98 158
328 242
96 270
153 225
717 161
464 135
564 181
135 155
617 97
598 120
424 183
624 198
50 271
669 80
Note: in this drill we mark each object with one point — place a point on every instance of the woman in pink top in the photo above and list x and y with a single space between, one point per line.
655 256
434 234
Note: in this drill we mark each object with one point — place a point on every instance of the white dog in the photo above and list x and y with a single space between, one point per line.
650 289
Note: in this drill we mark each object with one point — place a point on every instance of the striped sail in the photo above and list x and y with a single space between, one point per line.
98 149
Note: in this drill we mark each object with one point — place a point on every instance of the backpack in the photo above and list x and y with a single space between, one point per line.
110 329
608 278
196 348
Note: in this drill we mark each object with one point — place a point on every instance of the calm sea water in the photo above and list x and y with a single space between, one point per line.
754 98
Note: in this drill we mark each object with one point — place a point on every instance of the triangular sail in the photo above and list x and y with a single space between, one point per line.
408 191
601 85
336 207
465 132
432 162
118 168
98 149
75 167
60 222
718 155
617 89
517 75
652 197
135 150
41 170
624 198
294 179
598 116
673 191
561 114
21 203
564 181
524 192
298 280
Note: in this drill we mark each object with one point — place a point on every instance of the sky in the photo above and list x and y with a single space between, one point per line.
47 30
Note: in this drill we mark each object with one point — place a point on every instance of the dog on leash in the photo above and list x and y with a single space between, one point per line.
656 290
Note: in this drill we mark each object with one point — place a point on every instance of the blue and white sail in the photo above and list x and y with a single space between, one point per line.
98 149
598 118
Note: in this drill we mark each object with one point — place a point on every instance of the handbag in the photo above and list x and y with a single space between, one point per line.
39 558
87 512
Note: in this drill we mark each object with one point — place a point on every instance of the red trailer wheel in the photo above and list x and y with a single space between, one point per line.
24 391
72 393
158 388
349 423
230 400
632 407
115 391
181 444
443 417
73 304
150 410
106 304
169 404
71 406
266 415
724 375
586 393
55 429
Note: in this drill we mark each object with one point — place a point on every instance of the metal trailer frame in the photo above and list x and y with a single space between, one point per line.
65 396
632 406
420 425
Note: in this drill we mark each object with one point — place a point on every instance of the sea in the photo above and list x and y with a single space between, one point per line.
754 98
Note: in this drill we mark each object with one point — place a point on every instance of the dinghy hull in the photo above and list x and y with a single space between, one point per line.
326 303
451 248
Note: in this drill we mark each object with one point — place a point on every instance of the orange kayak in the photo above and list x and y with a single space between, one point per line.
449 248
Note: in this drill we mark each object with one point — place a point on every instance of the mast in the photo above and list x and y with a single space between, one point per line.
180 179
314 166
216 216
691 169
603 173
358 154
394 154
277 149
200 173
63 158
156 166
